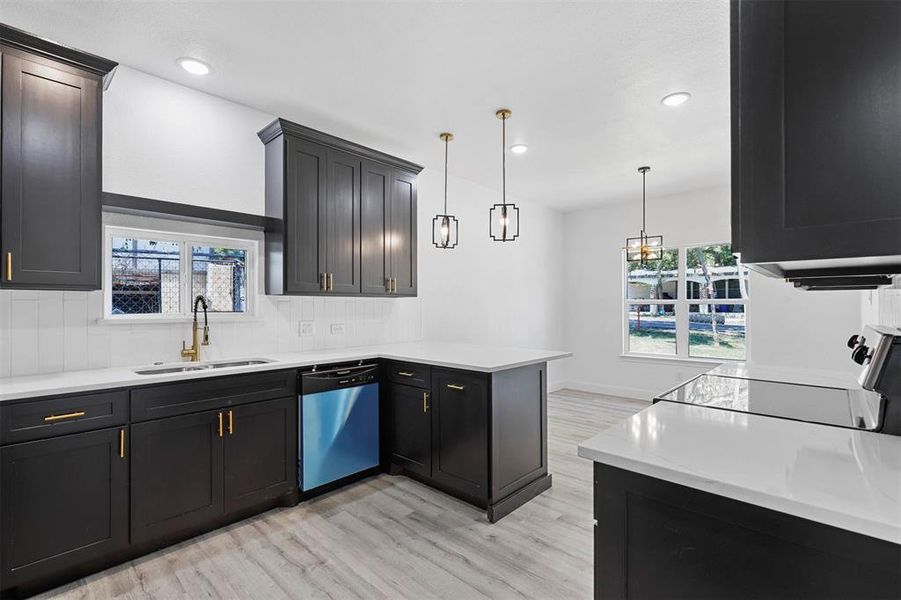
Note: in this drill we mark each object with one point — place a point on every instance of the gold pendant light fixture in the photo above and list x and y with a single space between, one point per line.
644 247
445 226
503 218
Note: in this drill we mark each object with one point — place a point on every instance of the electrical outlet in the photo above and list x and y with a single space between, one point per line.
337 329
306 328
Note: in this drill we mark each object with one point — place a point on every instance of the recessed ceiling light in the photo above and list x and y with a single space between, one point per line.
676 99
519 148
194 66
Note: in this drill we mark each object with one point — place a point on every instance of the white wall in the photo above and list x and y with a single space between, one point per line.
786 326
165 141
497 293
169 142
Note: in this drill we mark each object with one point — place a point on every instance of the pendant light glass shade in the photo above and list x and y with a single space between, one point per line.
444 226
503 219
644 247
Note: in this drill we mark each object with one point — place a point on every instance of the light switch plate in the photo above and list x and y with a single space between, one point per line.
306 328
337 329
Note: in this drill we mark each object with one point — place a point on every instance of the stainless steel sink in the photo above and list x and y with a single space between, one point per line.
188 368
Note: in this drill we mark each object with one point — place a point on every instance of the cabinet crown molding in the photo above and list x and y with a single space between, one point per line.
22 40
283 126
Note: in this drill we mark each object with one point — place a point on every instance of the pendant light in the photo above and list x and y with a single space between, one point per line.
644 247
444 226
503 218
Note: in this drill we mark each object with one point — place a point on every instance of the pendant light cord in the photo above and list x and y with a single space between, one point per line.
446 140
504 153
643 196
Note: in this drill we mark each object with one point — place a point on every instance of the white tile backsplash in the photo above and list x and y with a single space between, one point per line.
47 332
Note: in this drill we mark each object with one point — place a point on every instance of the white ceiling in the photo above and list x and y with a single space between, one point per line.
584 80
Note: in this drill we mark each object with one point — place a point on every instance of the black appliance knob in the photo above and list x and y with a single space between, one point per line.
853 341
860 354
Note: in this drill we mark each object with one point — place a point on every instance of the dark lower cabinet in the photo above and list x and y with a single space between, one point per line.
481 437
176 475
64 503
411 430
460 431
656 539
260 453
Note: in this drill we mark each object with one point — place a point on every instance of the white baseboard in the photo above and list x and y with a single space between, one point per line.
585 386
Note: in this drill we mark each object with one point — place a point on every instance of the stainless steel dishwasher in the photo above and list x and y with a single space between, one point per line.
339 426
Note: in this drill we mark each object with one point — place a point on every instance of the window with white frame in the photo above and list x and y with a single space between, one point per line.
692 303
153 275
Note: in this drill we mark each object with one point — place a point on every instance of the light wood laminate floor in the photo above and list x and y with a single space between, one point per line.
390 537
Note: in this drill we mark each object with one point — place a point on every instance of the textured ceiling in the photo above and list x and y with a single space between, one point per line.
584 80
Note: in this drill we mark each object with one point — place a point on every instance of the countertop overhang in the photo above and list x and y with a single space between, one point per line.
470 357
846 478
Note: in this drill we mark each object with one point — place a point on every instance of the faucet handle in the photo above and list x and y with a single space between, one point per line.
206 335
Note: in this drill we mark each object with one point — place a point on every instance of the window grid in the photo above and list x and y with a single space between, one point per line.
228 289
725 348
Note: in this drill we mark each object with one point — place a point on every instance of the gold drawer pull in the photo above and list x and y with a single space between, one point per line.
231 423
405 374
455 386
121 443
71 415
220 424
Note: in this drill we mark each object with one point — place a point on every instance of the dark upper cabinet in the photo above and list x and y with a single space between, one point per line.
341 217
260 452
402 228
64 502
816 136
459 407
375 218
342 223
50 227
410 428
176 475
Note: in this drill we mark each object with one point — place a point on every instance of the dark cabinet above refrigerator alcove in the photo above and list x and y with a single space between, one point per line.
342 217
816 140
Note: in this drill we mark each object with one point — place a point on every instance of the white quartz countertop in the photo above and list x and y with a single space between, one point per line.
483 358
846 478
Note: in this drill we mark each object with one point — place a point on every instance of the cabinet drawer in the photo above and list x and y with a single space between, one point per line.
410 374
206 394
39 419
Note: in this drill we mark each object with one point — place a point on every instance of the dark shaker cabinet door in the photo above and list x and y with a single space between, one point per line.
176 475
460 431
411 428
402 240
260 452
50 176
64 502
305 205
816 109
376 193
342 223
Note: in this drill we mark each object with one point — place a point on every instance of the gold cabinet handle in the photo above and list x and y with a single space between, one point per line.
231 423
322 282
405 374
121 443
330 287
394 285
425 402
455 386
220 424
9 266
71 415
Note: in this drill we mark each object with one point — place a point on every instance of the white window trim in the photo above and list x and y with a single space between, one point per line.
681 304
186 300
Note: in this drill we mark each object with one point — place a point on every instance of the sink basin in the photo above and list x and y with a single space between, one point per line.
190 367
